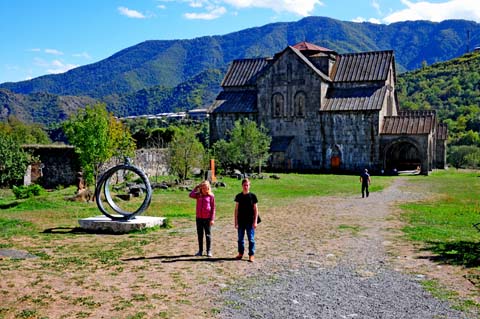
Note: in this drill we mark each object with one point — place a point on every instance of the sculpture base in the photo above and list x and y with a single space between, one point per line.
104 224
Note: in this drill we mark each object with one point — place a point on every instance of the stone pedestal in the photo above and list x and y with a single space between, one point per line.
104 224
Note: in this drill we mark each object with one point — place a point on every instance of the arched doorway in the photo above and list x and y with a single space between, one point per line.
402 155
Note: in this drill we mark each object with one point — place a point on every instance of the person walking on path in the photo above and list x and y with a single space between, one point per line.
365 180
205 215
246 219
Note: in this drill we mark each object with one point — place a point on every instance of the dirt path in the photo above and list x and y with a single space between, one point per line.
160 278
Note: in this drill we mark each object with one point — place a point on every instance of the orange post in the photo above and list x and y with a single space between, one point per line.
212 169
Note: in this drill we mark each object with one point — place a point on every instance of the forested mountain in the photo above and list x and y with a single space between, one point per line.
161 76
453 89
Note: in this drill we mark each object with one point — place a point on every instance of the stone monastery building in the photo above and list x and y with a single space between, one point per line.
329 112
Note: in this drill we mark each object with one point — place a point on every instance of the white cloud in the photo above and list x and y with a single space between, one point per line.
131 13
53 52
54 66
214 13
376 6
162 6
299 7
83 55
58 66
215 9
371 20
197 4
423 10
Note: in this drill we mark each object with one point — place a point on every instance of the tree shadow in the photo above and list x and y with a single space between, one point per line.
182 258
462 253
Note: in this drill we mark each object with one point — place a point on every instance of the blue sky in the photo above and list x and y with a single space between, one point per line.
52 36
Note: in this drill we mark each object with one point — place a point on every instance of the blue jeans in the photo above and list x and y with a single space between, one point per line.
251 239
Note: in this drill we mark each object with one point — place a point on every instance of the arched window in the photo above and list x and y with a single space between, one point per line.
277 105
300 101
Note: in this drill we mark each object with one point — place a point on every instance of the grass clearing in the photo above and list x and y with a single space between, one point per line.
446 224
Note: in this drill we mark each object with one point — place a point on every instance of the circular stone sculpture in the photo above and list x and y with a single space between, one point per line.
123 192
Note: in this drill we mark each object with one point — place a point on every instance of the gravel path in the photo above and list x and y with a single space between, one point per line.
347 275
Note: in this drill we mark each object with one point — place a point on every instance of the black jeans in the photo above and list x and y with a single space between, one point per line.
203 226
365 190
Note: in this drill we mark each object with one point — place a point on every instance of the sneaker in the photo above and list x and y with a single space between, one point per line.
209 254
251 258
199 253
239 256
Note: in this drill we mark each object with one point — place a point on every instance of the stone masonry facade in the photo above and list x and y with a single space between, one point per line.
329 112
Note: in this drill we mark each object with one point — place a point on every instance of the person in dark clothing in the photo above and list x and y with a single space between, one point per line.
246 219
365 180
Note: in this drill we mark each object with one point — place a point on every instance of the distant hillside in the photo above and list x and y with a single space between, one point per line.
42 108
453 89
162 76
199 91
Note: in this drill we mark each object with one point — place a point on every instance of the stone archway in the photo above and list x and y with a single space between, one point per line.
402 155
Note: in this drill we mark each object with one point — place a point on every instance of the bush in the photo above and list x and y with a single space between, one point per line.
22 192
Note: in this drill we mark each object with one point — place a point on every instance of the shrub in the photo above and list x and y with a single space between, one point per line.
22 192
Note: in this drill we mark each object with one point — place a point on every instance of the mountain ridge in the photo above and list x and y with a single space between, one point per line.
168 65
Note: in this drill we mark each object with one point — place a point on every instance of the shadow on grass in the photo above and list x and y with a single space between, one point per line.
64 230
462 253
180 258
77 231
9 205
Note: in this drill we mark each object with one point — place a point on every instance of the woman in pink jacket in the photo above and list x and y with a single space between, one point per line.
205 215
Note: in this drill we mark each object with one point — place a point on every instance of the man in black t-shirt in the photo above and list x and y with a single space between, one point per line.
365 180
246 218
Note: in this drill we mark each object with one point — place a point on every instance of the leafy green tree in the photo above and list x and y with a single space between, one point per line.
464 156
13 160
97 136
185 152
25 133
247 149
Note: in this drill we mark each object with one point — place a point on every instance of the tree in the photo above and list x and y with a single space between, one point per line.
185 152
23 133
13 160
464 156
248 146
97 136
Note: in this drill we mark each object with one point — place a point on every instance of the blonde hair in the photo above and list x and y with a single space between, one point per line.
206 184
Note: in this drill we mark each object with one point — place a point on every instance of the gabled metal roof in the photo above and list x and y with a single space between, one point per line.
366 66
354 99
235 102
243 72
413 123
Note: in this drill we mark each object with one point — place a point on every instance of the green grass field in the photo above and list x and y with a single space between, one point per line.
446 224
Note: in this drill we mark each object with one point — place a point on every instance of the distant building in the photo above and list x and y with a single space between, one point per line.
329 112
198 114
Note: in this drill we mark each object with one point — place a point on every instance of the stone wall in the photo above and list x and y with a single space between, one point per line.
58 164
